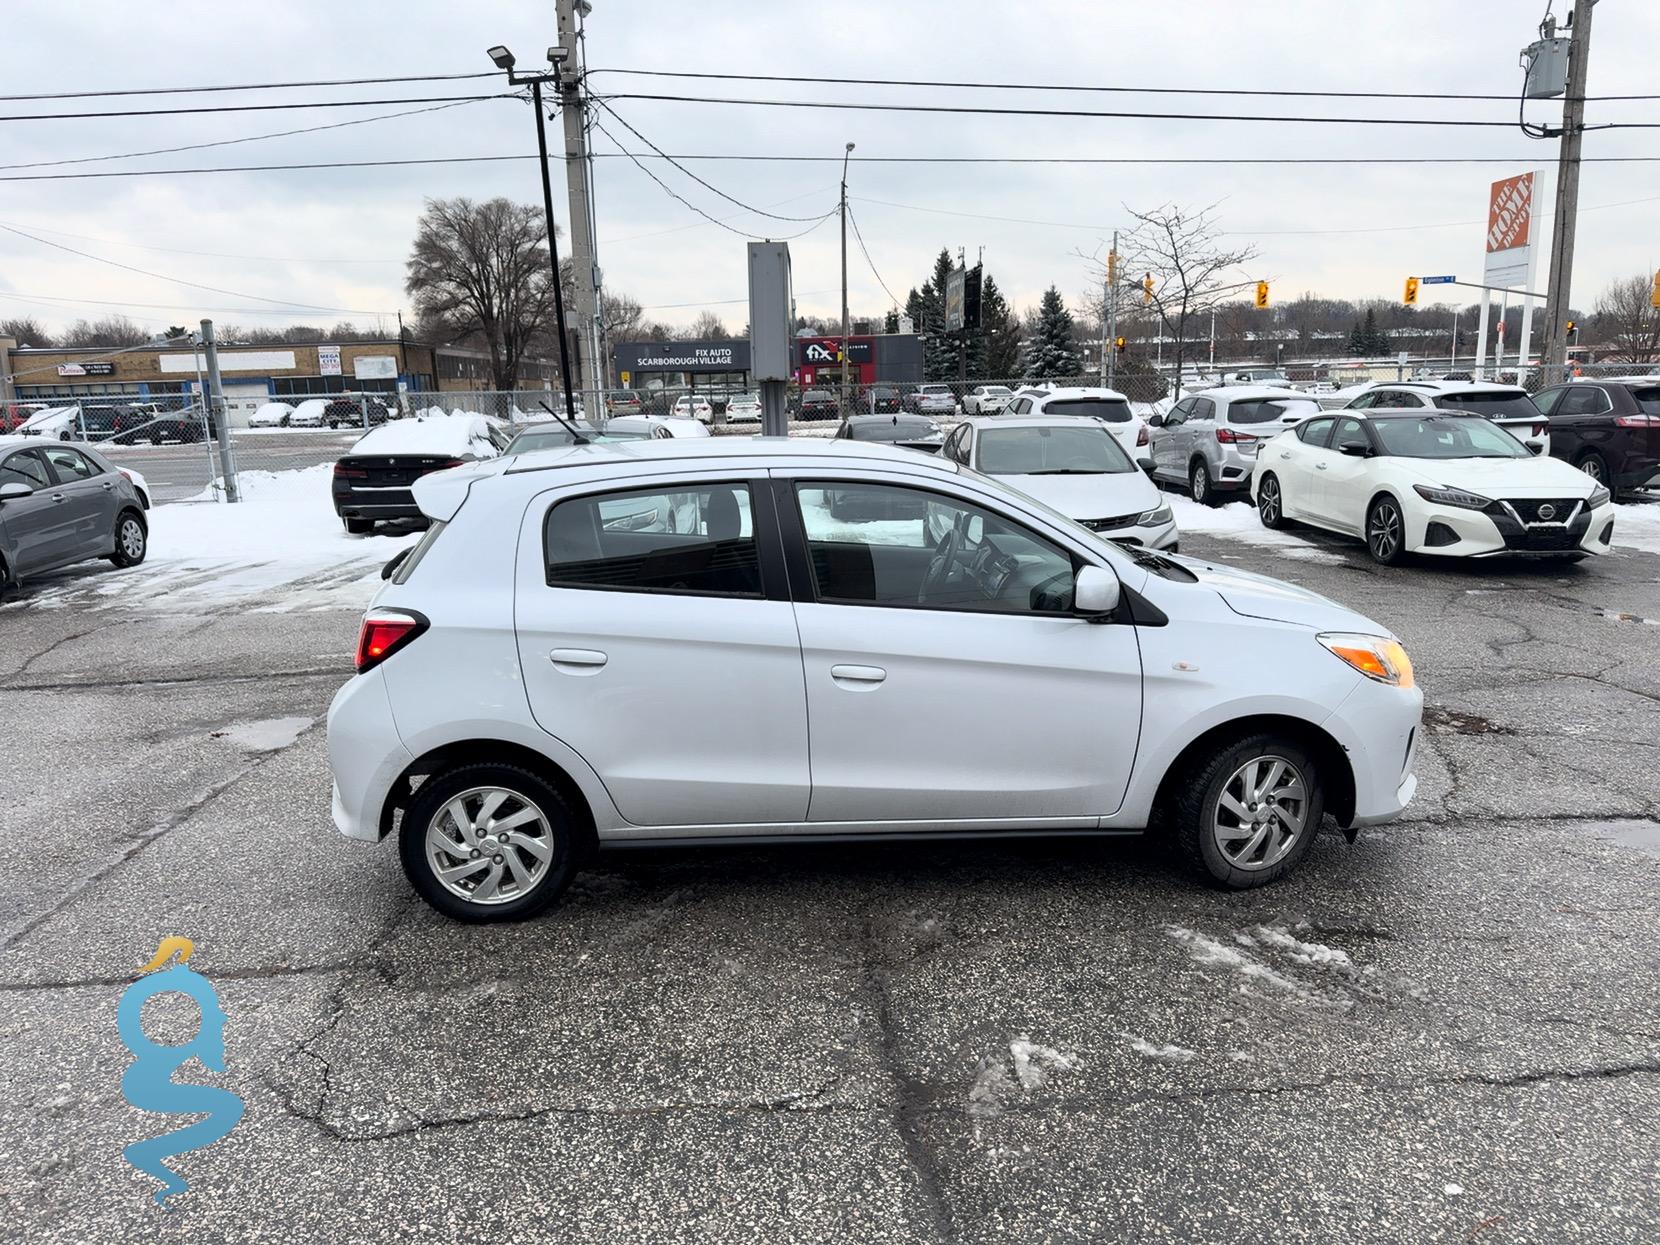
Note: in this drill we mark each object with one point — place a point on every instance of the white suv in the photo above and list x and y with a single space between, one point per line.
556 666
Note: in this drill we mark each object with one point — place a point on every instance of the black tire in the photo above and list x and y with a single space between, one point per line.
358 527
1195 814
1199 483
1271 502
1386 531
438 791
283 422
1596 466
132 539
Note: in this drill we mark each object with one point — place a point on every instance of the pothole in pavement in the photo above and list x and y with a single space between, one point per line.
1622 616
1443 721
1636 832
265 734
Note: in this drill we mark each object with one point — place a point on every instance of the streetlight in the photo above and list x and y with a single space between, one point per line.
504 60
845 352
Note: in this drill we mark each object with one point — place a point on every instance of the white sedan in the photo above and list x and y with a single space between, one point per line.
647 427
1071 465
987 399
271 415
743 406
309 414
694 406
1447 483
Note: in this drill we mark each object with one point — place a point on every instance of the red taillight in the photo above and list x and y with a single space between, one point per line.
1227 436
1539 429
383 633
445 465
1638 421
343 472
1141 437
125 474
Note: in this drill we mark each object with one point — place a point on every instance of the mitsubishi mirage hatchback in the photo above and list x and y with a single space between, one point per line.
938 655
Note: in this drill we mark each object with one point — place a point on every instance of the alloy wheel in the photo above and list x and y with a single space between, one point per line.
489 845
1268 502
1383 531
1593 468
1199 483
132 538
1261 814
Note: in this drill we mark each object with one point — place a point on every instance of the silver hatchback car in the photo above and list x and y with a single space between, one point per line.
63 503
1208 441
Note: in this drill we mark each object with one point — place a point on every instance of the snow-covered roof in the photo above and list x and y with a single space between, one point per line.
455 435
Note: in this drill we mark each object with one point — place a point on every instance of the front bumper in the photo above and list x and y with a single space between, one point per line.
1483 534
1377 726
365 753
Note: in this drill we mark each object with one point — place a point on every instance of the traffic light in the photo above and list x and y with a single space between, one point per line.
1112 267
1654 298
1410 298
1570 330
1119 344
1147 289
1262 295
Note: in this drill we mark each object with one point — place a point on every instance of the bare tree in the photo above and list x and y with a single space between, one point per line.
482 269
1192 272
707 327
620 316
1628 321
114 330
27 330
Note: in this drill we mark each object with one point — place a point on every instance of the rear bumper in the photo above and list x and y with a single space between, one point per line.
365 754
375 503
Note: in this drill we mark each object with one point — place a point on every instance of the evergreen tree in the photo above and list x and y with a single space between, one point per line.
939 350
999 334
1049 351
891 323
1373 340
1357 340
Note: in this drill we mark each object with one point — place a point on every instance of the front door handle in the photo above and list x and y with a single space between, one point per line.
59 497
1319 466
857 677
106 486
578 660
1285 453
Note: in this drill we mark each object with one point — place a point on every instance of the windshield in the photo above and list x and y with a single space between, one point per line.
1446 436
1113 410
1271 410
815 395
1051 451
1492 403
899 429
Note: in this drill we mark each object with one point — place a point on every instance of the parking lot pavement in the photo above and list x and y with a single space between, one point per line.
1445 1032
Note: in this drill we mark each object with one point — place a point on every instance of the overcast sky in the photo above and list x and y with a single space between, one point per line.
337 238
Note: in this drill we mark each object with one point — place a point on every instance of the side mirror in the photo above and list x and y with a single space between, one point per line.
1155 421
14 490
1354 449
1537 449
1146 464
391 568
1095 592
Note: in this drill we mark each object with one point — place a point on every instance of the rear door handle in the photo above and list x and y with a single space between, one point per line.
106 486
858 677
59 497
1285 453
1319 466
578 660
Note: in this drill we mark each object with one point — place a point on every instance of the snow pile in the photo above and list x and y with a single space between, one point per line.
1163 1053
1239 521
1028 1067
1637 526
456 436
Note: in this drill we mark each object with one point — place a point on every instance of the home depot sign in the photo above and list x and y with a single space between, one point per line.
1509 231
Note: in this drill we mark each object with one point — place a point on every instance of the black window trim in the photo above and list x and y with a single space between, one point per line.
1331 426
769 544
34 452
804 583
97 469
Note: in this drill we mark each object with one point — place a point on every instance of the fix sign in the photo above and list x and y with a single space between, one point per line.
1510 213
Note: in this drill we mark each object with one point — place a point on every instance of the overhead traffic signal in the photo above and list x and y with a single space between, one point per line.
1410 298
1570 330
1654 298
1119 344
1262 295
1147 289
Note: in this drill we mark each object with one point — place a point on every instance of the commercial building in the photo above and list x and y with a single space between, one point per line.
892 357
722 367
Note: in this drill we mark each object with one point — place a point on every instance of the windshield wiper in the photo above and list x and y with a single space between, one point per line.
1068 471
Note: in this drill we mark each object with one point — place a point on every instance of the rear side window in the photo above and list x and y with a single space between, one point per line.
1112 410
72 465
1315 431
693 539
1648 399
1270 410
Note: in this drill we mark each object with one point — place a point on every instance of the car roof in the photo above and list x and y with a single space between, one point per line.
761 451
1399 412
1035 421
1081 391
1252 393
1450 386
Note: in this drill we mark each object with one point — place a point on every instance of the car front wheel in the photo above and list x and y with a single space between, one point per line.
487 842
1249 810
1386 532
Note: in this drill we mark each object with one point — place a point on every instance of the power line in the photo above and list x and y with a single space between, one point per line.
665 155
251 138
868 260
834 105
214 289
175 250
217 108
713 220
247 86
1061 86
115 302
268 168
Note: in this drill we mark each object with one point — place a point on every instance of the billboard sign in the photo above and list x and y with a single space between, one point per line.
86 369
328 360
730 355
1509 232
375 367
825 351
954 287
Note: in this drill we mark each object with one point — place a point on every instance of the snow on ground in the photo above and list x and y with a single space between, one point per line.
282 548
1238 520
1637 526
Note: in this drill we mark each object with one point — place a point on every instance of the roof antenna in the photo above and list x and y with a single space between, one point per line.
576 436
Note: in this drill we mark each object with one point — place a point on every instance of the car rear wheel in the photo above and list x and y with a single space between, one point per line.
1270 504
1386 532
1198 484
486 842
358 527
1248 811
132 542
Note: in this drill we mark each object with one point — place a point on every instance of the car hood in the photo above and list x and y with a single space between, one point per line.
1259 596
1538 476
1089 497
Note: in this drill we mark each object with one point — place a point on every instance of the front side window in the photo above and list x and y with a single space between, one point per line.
1315 431
24 468
696 539
881 544
1350 432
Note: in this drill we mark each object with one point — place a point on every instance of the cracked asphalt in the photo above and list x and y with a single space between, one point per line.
1447 1032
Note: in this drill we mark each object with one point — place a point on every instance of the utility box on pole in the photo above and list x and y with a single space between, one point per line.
218 425
771 313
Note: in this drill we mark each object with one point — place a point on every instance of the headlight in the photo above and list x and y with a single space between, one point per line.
1452 497
1599 497
1372 655
1153 518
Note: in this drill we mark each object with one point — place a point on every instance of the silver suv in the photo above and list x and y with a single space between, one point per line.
1209 440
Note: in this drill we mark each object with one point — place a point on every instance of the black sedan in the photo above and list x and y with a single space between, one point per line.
375 480
1609 429
911 432
881 400
819 404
